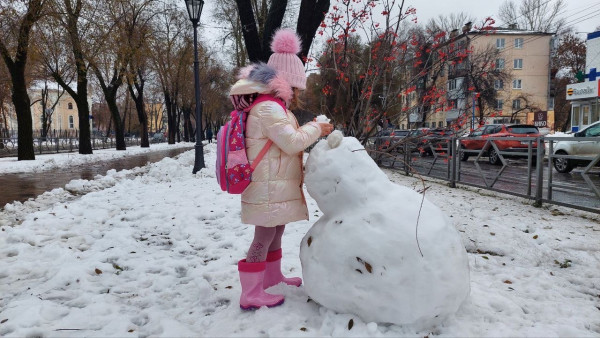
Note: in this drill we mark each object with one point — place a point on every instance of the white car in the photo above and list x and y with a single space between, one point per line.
586 148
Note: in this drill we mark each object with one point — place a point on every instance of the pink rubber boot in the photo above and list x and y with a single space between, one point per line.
253 295
273 274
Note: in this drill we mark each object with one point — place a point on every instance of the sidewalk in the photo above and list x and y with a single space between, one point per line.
153 252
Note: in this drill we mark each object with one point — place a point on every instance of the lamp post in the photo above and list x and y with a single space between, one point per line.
473 114
194 8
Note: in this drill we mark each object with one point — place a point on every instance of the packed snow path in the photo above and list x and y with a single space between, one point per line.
153 252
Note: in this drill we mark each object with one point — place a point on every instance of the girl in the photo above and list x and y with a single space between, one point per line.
274 197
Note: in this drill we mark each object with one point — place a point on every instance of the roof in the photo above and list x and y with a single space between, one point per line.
508 31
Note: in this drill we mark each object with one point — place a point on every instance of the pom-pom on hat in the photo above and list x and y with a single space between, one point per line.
285 46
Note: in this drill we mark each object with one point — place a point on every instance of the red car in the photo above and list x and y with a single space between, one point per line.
508 145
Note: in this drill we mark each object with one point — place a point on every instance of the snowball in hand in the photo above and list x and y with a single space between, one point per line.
322 118
362 257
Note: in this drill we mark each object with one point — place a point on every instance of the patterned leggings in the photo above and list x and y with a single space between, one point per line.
265 239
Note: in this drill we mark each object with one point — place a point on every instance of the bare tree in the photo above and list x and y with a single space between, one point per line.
535 15
65 41
17 19
448 22
232 39
138 31
172 55
567 62
113 28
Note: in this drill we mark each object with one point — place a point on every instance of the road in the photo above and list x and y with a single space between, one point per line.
566 188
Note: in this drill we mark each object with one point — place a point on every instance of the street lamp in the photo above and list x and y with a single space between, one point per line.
194 8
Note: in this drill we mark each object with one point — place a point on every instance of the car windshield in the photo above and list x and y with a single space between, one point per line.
522 130
401 132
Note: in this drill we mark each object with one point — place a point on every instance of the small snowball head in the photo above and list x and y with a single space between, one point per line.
285 41
335 139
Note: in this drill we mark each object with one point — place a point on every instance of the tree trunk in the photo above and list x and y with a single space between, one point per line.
187 131
111 101
312 13
21 102
170 118
249 30
140 107
273 22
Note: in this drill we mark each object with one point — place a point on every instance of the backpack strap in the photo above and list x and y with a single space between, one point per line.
263 151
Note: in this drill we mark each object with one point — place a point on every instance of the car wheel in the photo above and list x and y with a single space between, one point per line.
562 165
494 158
463 156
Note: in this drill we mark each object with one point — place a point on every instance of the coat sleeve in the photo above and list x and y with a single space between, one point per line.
277 127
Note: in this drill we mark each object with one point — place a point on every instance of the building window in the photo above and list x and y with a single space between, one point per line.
499 63
71 122
452 84
70 105
498 84
500 43
517 84
518 64
453 104
516 104
519 43
499 104
433 124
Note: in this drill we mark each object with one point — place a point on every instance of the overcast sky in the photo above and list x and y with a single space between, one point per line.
582 15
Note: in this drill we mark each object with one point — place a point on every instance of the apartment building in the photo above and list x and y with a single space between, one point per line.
524 59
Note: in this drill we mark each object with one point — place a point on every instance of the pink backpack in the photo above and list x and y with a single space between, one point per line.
234 171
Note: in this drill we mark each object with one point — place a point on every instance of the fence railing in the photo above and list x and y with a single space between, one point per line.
48 145
522 171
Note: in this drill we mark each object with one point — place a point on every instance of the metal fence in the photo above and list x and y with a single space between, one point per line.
49 145
528 173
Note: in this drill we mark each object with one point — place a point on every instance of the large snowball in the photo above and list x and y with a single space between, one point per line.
362 256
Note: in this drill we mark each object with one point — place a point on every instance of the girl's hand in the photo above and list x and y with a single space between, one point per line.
326 128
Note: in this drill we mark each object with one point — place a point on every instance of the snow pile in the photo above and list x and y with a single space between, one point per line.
362 256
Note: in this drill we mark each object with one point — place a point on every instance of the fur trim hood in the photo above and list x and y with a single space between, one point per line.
262 79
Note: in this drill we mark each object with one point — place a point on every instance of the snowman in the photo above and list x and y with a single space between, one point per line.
380 251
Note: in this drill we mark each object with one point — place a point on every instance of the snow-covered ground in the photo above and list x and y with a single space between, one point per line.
46 162
152 252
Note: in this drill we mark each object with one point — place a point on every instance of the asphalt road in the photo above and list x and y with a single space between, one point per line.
570 188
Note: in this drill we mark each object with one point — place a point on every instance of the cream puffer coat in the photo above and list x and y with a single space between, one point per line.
275 195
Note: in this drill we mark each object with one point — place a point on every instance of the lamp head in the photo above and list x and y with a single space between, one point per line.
194 8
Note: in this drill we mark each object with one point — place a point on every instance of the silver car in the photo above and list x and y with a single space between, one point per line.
587 148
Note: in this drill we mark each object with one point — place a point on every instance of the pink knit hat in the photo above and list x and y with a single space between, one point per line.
285 47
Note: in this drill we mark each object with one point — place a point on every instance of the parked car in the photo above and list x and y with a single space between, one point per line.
157 138
389 137
438 139
505 145
589 149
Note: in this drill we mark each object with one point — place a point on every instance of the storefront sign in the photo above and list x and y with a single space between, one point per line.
540 119
583 90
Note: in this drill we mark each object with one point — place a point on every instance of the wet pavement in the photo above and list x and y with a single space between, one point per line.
568 189
22 186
